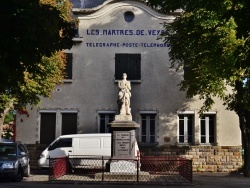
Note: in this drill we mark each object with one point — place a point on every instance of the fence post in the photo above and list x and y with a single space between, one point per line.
50 169
191 170
137 171
102 168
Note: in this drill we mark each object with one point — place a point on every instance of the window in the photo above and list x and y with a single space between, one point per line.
68 68
188 71
75 27
129 16
207 129
129 64
47 128
21 149
61 143
185 128
54 123
69 123
104 119
148 128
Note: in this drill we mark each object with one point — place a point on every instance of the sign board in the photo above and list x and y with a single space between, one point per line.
123 144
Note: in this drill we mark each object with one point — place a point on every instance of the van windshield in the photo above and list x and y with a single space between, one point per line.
61 143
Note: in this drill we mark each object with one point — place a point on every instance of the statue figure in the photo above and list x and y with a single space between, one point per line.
124 96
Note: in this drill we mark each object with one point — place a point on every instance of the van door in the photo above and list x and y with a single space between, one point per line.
96 145
60 148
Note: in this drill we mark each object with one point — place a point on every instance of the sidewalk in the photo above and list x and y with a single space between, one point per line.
220 180
204 179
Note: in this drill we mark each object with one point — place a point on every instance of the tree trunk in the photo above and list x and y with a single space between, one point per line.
244 120
245 129
246 157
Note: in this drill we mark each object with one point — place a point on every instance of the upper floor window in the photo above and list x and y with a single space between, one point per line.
185 129
129 64
207 128
68 68
75 27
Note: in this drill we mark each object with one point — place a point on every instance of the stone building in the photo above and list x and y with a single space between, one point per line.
116 37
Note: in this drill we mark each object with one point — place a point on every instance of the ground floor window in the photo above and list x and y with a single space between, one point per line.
47 127
148 127
185 129
207 128
56 123
104 118
69 123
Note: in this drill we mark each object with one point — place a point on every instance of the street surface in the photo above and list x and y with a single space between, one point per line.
199 180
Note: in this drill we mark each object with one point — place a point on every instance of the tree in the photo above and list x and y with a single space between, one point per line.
8 131
33 36
211 40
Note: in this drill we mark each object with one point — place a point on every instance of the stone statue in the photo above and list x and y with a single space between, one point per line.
124 96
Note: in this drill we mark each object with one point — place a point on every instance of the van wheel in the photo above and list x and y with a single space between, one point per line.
19 175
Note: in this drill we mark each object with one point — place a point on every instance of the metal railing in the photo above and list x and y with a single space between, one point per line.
148 169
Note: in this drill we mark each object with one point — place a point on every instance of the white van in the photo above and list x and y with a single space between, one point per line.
78 144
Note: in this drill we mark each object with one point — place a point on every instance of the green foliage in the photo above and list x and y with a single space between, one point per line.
8 131
9 117
211 40
33 35
42 82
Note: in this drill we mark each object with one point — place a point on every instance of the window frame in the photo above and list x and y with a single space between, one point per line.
128 56
207 128
40 124
107 130
69 59
186 135
58 123
61 117
147 113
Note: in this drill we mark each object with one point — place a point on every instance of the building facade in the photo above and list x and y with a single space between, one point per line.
116 37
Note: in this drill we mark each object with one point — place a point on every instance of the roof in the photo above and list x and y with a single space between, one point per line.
86 3
86 135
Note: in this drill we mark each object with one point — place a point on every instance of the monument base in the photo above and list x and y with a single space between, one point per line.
123 125
123 118
123 166
124 145
126 176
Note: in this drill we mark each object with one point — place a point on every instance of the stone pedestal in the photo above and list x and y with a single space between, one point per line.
123 141
123 118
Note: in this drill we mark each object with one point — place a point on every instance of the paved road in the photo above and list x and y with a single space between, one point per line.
212 180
